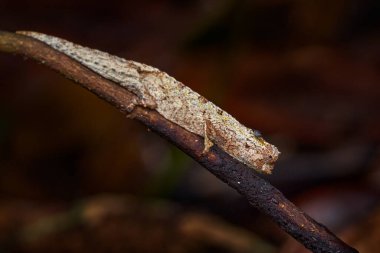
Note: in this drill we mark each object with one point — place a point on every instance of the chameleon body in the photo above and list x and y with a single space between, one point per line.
174 101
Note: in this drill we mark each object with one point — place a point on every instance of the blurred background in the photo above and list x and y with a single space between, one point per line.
77 176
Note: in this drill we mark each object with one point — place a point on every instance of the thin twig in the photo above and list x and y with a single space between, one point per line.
259 192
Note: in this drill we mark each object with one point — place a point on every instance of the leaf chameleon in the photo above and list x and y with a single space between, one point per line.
174 101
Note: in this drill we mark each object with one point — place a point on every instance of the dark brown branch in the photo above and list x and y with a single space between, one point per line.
259 193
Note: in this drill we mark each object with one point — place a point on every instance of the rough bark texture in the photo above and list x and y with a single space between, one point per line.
259 193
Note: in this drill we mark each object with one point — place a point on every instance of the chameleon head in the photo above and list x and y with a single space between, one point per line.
270 155
263 156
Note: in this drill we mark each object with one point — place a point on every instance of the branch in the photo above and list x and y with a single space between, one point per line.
258 192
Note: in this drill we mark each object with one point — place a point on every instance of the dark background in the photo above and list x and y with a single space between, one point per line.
77 176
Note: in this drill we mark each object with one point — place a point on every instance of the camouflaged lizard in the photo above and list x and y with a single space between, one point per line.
174 101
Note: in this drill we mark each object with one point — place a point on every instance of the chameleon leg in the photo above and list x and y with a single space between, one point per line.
207 142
